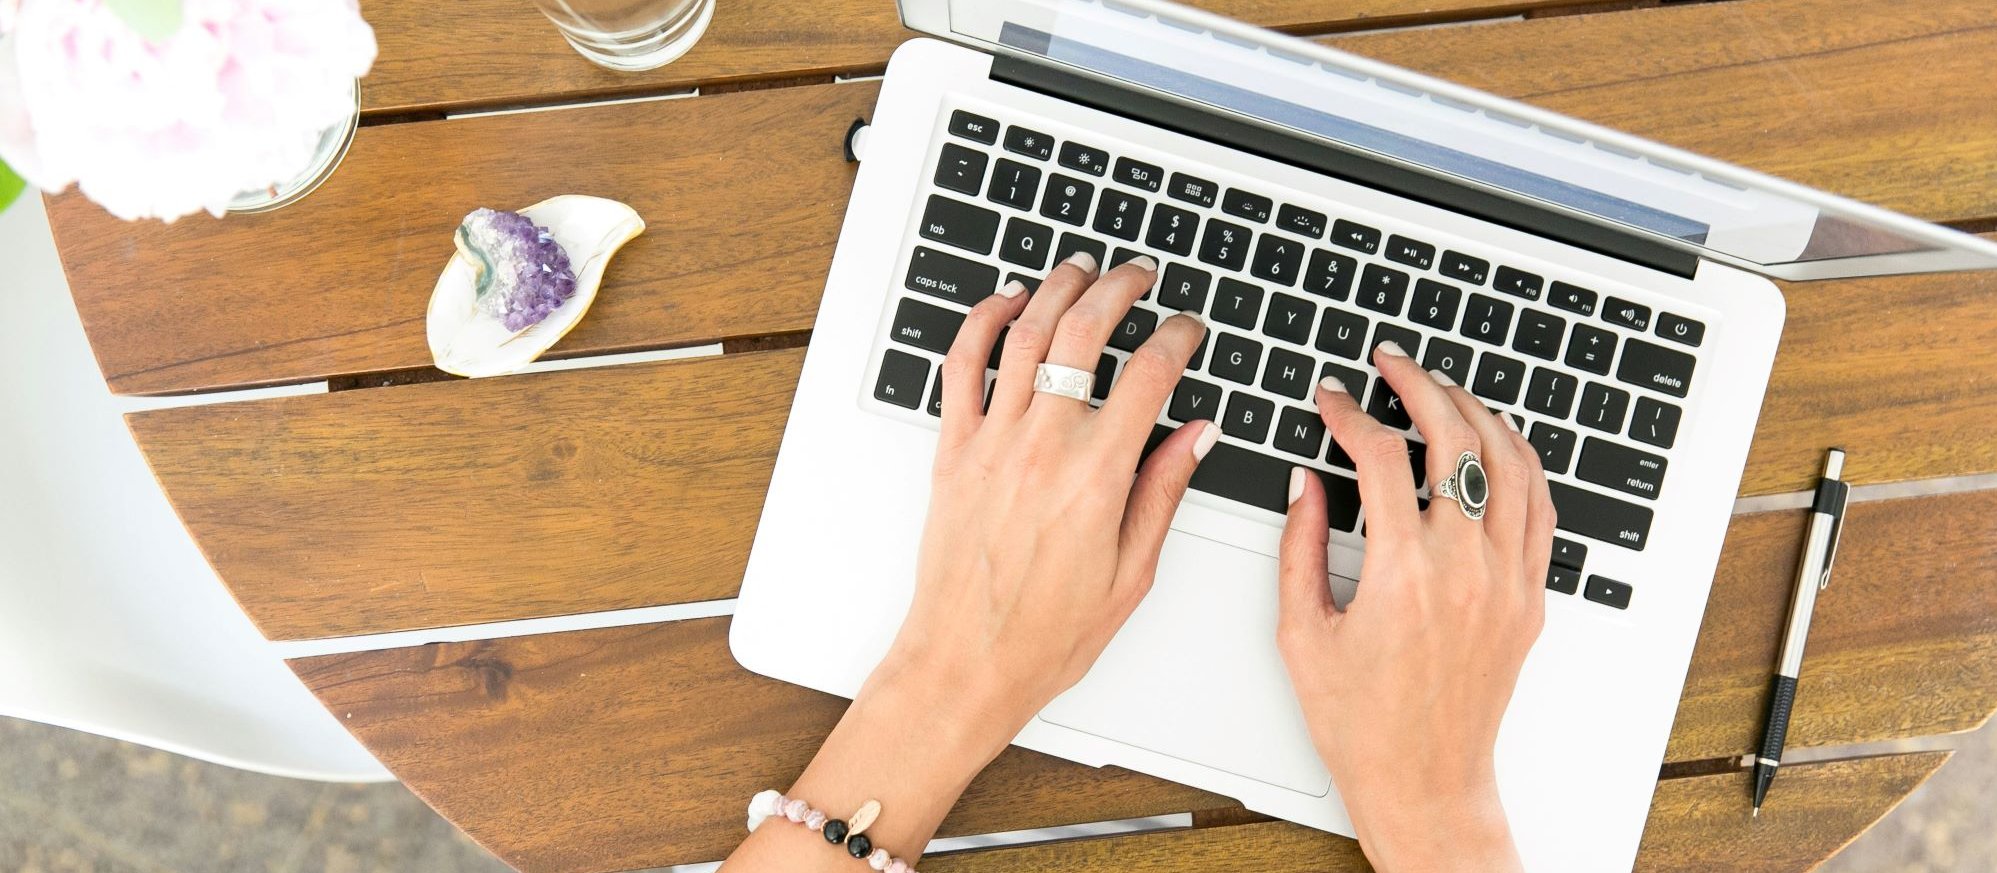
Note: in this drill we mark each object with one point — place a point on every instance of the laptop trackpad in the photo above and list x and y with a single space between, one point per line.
1196 675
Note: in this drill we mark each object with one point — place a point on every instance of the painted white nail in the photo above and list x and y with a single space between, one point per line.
1331 383
1144 262
1195 315
1442 377
1392 348
1204 444
1083 260
1297 475
1012 289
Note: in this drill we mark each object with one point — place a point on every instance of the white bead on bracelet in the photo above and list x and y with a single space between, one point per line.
773 804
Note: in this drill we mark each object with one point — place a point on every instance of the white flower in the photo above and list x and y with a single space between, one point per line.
234 100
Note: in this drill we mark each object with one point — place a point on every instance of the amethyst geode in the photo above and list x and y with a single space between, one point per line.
523 274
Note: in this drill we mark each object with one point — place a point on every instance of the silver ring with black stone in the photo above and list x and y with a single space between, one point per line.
1467 485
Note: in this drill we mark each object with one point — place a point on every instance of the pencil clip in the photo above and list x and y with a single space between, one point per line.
1831 551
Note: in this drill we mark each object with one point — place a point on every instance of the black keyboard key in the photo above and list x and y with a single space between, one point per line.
1551 392
1435 304
998 349
1289 374
1139 174
1236 358
1412 252
1627 314
1225 244
1565 580
1608 592
1032 283
1612 465
952 278
935 405
1136 327
1014 184
1194 400
960 169
1517 283
1573 298
1301 221
1075 242
1031 143
1341 495
1237 303
1568 553
1184 288
1263 481
1067 199
1121 256
1289 318
901 380
1248 205
1383 289
1602 407
1656 367
1418 463
1300 432
1409 341
1487 319
1386 407
974 127
1200 354
1330 274
924 326
1452 358
1554 444
1277 260
1118 214
1192 189
1105 374
1027 243
1356 236
1342 333
954 222
1247 417
1601 517
1498 378
1353 380
1655 423
1591 349
1540 334
1084 159
1464 268
1679 329
1172 230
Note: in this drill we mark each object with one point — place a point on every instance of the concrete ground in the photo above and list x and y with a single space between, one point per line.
76 803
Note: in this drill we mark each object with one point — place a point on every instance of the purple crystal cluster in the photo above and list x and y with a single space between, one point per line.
523 274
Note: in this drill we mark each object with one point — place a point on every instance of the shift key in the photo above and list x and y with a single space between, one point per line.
952 278
960 224
1601 517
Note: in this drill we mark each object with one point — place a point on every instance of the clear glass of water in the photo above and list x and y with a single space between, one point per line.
630 35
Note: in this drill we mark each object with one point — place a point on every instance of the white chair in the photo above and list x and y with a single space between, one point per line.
111 622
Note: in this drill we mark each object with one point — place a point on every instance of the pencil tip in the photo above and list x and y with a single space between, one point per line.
1757 813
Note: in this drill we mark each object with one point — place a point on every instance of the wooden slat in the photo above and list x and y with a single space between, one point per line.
744 191
501 52
1695 825
608 749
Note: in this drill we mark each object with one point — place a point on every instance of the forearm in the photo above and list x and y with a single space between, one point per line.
912 742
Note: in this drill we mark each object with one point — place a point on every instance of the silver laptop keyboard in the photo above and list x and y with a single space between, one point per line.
1291 295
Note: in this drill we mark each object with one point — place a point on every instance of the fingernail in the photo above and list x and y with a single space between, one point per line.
1331 384
1012 289
1512 423
1144 262
1393 348
1296 484
1204 444
1442 377
1084 260
1196 315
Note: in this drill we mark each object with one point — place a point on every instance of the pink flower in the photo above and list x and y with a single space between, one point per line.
234 100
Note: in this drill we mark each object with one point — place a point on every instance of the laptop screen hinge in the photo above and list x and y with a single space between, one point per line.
1349 166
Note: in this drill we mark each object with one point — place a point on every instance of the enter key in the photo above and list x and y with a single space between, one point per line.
1621 467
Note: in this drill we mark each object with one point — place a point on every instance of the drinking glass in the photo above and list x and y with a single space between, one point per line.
630 35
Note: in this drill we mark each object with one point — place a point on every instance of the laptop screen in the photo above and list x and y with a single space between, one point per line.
1408 119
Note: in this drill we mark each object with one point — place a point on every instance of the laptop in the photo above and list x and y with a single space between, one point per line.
1609 294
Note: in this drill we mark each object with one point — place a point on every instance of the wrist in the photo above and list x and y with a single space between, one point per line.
1443 825
966 709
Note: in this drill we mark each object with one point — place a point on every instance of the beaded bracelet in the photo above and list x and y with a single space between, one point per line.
772 804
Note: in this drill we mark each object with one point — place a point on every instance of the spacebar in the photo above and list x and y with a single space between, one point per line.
1600 516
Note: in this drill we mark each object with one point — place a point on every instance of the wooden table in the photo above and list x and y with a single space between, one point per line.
401 500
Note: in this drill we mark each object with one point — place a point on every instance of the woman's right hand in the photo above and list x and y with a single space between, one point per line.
1404 689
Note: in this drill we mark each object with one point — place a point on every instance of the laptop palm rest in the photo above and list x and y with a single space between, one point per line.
1170 684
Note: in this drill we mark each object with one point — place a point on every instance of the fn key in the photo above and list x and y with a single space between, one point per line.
902 378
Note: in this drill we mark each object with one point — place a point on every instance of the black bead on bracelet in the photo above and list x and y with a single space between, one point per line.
835 833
